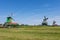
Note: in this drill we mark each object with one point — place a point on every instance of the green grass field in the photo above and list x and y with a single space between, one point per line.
30 33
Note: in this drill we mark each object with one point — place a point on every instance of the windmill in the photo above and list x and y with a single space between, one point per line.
54 23
9 18
9 21
45 21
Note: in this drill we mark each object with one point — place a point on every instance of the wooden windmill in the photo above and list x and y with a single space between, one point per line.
45 21
9 21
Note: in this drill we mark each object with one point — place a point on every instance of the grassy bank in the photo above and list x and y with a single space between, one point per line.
30 33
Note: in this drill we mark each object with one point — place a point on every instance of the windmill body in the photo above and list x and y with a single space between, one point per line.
54 23
9 19
45 21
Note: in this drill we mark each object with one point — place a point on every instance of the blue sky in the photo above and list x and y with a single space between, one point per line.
30 11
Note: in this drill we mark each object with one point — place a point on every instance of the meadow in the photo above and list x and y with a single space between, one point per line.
30 33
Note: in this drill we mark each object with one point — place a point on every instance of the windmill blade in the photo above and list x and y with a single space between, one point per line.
45 17
11 14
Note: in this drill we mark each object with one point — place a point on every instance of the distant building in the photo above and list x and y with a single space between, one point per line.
54 23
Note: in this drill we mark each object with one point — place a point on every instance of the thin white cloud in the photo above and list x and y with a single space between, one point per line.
56 18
